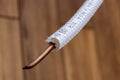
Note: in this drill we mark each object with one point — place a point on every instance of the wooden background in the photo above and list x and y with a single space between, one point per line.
94 54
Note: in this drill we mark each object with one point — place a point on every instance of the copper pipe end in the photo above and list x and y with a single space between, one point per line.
41 57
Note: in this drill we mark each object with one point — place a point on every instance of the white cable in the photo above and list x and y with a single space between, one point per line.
62 36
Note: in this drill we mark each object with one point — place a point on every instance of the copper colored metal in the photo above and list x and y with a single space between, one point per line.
41 57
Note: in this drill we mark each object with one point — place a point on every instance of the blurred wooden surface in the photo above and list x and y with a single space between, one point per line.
93 54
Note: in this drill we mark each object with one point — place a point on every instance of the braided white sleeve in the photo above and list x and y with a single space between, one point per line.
68 31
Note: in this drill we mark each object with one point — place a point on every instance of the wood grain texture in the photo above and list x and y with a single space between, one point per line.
10 51
8 8
107 40
86 57
94 54
81 58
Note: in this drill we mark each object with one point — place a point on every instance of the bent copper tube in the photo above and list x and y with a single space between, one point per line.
41 57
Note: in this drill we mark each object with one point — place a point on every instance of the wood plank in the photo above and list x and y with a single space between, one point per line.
107 32
39 20
81 58
8 8
10 50
92 55
1 69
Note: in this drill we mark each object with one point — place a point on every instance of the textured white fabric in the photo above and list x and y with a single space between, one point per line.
68 31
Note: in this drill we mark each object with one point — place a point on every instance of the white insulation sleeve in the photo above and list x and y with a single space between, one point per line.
68 31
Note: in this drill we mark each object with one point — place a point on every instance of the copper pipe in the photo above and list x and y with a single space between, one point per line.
41 57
